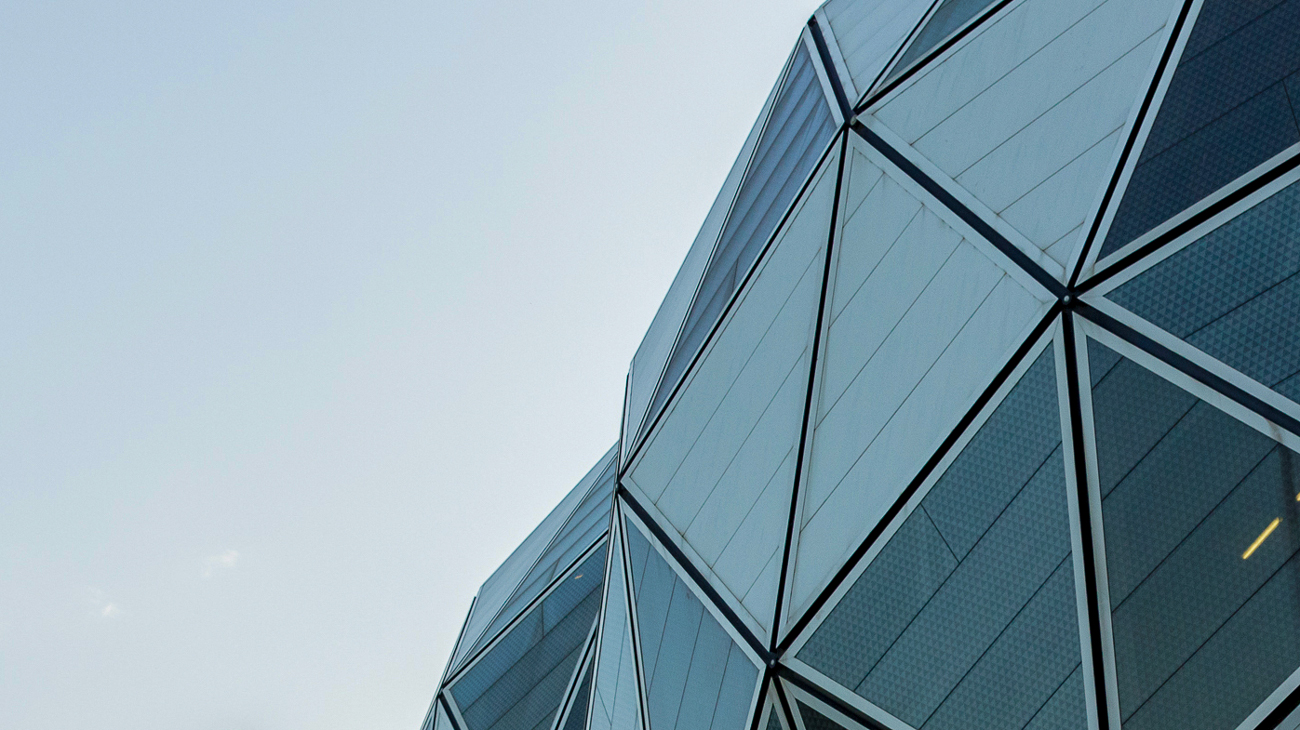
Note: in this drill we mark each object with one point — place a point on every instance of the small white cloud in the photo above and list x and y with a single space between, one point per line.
225 560
100 606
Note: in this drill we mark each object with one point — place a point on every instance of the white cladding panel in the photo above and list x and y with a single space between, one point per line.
614 700
719 466
924 330
868 32
1026 112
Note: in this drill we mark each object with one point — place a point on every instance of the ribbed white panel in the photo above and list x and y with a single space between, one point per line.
1025 114
656 346
924 321
719 467
869 32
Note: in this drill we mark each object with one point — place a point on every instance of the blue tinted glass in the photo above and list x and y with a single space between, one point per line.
1227 110
583 527
950 16
1234 293
520 682
796 133
696 676
1202 532
967 617
1061 711
577 719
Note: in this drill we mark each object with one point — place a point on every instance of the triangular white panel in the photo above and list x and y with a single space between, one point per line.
1026 114
921 317
864 35
719 468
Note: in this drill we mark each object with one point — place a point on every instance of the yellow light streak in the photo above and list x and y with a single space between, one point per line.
1262 537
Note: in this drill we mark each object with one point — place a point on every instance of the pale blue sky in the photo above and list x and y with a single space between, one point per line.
311 311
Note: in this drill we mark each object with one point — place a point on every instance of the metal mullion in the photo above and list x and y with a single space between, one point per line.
759 260
704 590
1147 111
805 432
874 95
1189 368
816 691
546 592
937 458
579 671
1085 503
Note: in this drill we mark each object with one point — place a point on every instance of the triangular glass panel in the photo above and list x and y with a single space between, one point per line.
797 131
1202 532
615 701
583 528
951 15
814 720
506 579
773 722
577 718
1231 105
920 322
1235 293
1028 110
696 676
968 613
720 469
519 683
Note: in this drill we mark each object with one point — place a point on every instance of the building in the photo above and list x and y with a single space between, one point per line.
974 404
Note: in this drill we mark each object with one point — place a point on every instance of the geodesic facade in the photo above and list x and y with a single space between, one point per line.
974 404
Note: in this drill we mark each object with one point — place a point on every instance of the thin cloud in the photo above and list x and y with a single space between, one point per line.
100 606
224 561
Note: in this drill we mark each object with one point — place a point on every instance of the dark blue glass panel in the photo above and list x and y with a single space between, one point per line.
797 132
1227 110
520 682
1061 712
696 676
1235 293
968 615
950 16
577 719
1202 532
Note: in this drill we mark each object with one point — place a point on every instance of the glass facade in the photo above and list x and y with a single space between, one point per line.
1007 480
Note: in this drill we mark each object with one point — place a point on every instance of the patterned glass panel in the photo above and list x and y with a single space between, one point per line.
967 617
1229 107
520 682
1235 293
696 676
1202 532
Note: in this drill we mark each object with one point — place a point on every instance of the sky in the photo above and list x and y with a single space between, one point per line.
309 312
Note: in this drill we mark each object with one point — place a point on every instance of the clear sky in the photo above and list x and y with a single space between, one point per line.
309 312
